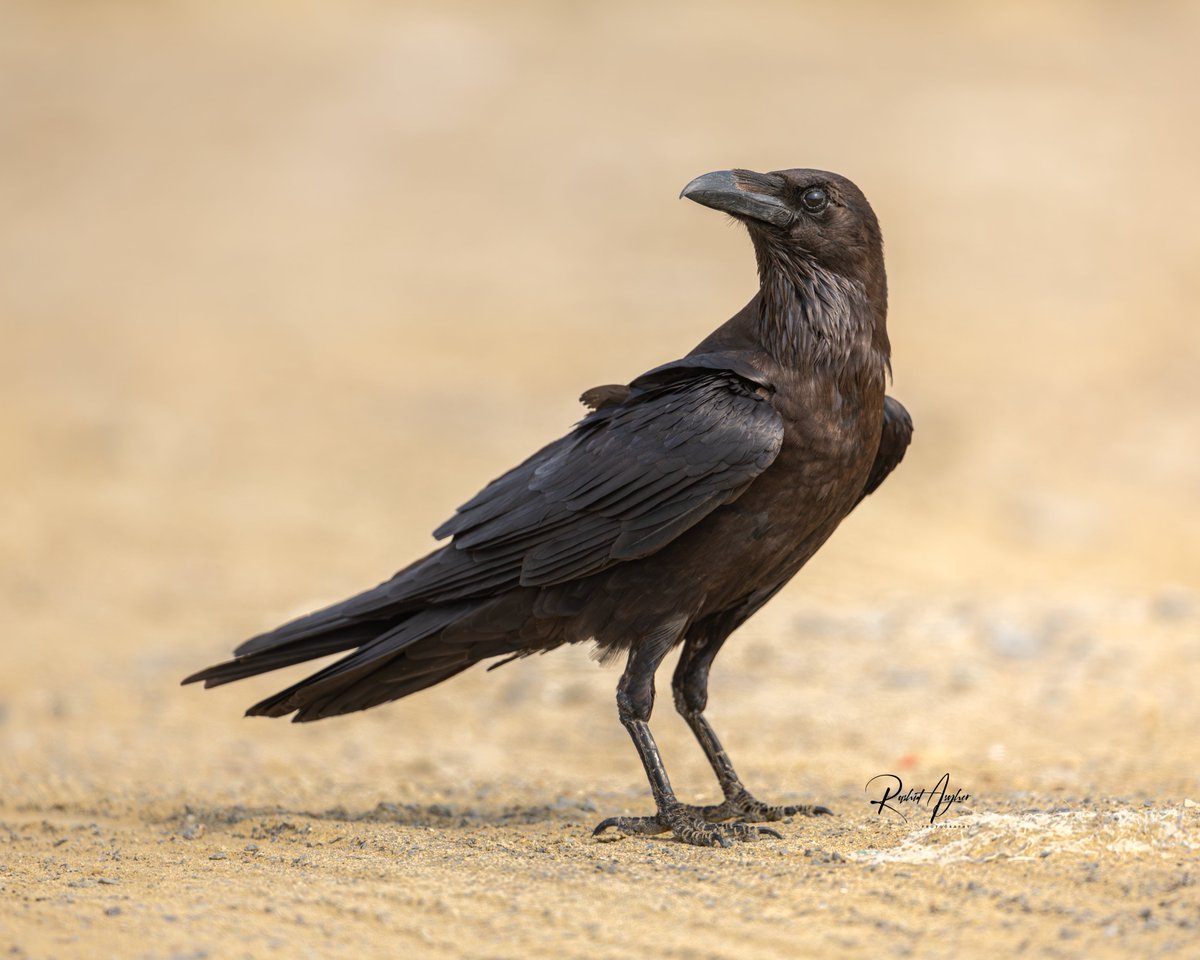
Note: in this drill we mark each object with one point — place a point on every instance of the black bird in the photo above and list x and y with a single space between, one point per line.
670 514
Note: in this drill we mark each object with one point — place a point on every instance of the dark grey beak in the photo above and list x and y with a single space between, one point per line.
743 194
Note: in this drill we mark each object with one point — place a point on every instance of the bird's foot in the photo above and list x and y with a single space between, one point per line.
687 827
741 806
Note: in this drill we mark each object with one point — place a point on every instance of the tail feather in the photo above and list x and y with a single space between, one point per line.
392 647
368 691
421 665
364 664
297 652
414 669
370 606
389 659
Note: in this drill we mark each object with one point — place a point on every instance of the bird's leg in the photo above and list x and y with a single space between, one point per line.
690 685
635 700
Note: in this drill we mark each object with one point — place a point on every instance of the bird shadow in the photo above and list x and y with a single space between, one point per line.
192 820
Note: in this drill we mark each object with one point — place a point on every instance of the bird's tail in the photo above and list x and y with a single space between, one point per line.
395 653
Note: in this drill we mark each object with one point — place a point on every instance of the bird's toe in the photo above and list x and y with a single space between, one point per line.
745 808
685 826
645 826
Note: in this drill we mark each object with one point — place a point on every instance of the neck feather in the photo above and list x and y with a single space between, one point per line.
812 317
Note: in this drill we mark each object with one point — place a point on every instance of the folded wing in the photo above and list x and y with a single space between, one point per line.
631 477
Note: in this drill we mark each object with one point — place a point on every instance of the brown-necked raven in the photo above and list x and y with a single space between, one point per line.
671 513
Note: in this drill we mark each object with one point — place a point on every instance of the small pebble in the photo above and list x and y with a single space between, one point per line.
218 856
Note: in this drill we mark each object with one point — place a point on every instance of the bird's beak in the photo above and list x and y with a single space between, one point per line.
743 194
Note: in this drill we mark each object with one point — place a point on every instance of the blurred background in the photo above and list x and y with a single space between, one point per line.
284 283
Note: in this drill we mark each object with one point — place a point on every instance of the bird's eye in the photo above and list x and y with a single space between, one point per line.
815 200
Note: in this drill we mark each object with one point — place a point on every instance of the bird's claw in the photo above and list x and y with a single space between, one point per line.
687 827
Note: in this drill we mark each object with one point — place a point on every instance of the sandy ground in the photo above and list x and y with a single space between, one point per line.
284 284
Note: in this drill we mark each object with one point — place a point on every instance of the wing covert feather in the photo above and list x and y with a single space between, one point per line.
630 478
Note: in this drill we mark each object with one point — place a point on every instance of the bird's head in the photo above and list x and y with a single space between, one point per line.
799 215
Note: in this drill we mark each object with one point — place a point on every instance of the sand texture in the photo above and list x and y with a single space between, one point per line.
285 283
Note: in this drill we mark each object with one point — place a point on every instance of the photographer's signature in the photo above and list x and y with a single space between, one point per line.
939 799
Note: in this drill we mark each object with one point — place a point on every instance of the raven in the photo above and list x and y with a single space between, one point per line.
671 512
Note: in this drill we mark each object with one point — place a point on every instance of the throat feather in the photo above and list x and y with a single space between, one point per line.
813 316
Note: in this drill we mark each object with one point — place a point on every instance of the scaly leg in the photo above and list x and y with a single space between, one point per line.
690 686
635 701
